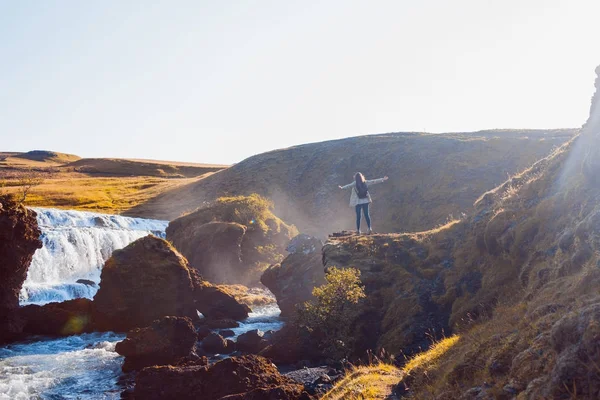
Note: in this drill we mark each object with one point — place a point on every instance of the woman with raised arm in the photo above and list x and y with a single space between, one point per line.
360 197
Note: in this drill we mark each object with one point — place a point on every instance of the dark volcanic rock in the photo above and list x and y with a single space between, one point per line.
166 341
148 280
252 341
248 377
144 281
227 333
215 344
58 319
293 280
214 303
19 239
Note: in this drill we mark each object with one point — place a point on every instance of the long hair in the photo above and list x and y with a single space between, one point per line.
359 179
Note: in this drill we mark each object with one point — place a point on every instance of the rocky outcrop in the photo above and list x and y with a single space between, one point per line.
231 240
19 239
58 319
148 280
248 377
166 341
252 341
145 281
216 344
293 280
214 303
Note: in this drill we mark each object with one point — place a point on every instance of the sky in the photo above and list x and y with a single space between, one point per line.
219 81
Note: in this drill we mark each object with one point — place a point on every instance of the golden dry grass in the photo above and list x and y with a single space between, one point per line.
102 185
111 195
366 383
428 359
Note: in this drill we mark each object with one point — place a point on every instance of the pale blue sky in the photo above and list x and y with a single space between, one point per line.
218 81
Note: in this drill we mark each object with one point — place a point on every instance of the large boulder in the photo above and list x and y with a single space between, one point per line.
58 319
215 344
248 377
293 280
164 342
214 302
19 239
232 240
252 341
145 281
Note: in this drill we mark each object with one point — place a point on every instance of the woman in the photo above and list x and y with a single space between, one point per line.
360 197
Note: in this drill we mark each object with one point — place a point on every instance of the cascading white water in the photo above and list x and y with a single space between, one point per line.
76 245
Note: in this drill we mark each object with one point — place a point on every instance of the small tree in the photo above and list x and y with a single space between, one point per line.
26 183
329 317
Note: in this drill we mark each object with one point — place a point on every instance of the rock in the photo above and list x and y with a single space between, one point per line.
143 282
214 249
203 331
164 342
231 346
247 377
226 333
58 319
221 323
304 244
293 280
291 344
214 303
231 239
251 341
19 239
214 344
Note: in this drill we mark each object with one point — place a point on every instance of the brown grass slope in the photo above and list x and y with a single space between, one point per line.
105 185
518 282
431 177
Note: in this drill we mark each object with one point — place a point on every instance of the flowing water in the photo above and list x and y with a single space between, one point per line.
75 367
75 246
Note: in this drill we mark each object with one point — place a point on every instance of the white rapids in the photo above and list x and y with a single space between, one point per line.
76 244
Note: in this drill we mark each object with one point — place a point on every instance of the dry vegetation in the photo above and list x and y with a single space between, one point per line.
431 177
366 383
103 185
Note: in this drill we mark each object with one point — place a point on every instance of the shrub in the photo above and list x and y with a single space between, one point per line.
329 316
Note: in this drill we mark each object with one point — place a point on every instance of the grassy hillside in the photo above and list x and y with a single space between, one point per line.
105 185
431 177
517 282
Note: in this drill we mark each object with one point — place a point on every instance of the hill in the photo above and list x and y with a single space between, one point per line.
516 282
432 176
36 158
97 184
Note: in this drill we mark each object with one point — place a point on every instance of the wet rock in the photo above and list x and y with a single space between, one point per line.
214 344
226 333
203 331
214 303
164 342
221 323
58 319
19 239
86 282
247 377
293 280
252 341
145 281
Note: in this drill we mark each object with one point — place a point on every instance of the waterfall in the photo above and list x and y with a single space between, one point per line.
76 245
